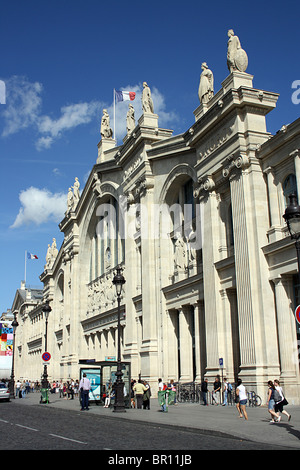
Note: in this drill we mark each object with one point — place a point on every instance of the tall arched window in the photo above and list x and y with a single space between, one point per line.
289 186
107 249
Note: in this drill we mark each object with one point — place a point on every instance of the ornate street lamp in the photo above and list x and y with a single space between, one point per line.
46 309
292 218
119 406
12 377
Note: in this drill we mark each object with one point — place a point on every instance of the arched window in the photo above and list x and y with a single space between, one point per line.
107 249
289 186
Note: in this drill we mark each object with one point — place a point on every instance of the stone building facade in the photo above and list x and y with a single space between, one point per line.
195 220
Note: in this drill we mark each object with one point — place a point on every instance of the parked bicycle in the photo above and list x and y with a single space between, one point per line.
253 399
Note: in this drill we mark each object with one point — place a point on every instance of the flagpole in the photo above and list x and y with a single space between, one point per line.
114 114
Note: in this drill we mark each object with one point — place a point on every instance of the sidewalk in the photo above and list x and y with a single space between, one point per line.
214 420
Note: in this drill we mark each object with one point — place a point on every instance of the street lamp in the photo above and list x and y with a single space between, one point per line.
119 406
12 377
46 309
292 218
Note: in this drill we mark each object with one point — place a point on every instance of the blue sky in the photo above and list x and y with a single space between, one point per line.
60 62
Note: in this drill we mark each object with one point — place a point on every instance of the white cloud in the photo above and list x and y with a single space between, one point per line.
23 109
71 116
40 206
23 104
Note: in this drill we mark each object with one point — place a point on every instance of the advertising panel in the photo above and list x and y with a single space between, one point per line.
94 375
6 348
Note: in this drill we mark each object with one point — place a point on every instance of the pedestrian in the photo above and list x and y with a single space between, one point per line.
271 402
108 395
23 389
280 401
225 392
146 396
132 396
61 389
76 388
172 388
216 391
204 391
139 389
84 387
242 395
229 393
18 388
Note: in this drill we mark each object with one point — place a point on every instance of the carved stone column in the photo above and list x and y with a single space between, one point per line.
275 222
210 244
286 329
186 345
296 155
198 311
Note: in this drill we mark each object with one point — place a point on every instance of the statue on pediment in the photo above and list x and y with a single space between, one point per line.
206 86
105 130
237 58
130 119
76 193
51 255
70 200
147 100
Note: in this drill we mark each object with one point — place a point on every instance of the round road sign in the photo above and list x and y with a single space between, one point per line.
297 313
46 356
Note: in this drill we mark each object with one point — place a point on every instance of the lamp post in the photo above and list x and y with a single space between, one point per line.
292 218
12 377
119 406
46 310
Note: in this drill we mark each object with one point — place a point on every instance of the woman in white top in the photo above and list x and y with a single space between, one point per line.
242 395
280 404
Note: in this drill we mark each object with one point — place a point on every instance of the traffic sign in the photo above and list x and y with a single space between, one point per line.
221 364
297 314
46 356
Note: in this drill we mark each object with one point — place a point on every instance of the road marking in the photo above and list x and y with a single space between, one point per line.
3 421
26 427
68 439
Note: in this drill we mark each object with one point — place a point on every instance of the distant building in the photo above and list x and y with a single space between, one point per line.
210 269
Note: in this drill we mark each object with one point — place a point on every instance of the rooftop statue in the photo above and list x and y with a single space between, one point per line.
76 192
130 119
52 252
237 58
206 86
106 131
147 100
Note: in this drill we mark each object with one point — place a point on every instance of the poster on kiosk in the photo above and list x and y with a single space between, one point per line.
101 374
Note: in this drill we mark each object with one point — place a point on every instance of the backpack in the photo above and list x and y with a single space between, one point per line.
229 387
277 396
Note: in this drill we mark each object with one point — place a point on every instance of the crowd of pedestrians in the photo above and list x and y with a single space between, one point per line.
140 393
66 389
222 393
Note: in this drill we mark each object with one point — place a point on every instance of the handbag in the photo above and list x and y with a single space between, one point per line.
284 402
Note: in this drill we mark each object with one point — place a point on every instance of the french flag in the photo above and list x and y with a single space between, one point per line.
31 256
125 95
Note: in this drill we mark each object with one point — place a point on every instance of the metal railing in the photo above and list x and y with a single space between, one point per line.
191 393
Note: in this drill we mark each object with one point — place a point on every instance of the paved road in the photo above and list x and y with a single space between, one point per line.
41 427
